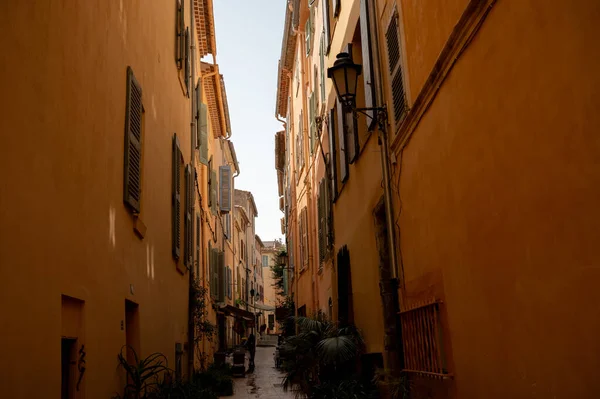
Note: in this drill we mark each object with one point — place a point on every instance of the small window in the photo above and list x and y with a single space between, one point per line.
132 173
176 159
394 54
179 34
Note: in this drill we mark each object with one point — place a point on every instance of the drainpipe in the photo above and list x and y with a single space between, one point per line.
389 278
191 332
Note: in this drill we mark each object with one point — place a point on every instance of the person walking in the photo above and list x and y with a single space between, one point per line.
251 347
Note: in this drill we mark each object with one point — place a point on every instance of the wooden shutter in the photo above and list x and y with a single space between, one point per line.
176 198
213 191
351 132
132 171
328 215
197 102
332 153
203 134
225 188
321 216
180 24
305 235
221 275
209 183
187 62
198 245
341 128
337 6
326 27
308 33
322 65
188 222
230 283
311 122
392 41
368 72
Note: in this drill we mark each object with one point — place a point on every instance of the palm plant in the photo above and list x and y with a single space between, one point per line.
142 374
321 353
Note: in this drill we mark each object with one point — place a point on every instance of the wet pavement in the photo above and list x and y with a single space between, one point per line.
264 382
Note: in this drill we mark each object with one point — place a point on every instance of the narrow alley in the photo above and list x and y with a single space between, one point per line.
401 196
264 382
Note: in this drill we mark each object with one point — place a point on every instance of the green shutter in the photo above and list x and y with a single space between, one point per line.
322 56
132 165
176 198
213 192
187 62
179 48
221 276
188 222
203 134
341 129
332 153
368 72
308 31
326 28
225 188
311 122
197 102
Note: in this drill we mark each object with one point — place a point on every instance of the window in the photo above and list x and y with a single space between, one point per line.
341 142
308 33
300 145
187 62
201 126
225 188
212 187
326 27
337 6
392 41
229 282
271 321
332 154
325 226
177 161
312 125
368 73
265 260
304 238
322 66
132 171
227 226
179 39
422 339
188 221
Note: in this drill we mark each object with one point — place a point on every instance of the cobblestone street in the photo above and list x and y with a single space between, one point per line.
264 382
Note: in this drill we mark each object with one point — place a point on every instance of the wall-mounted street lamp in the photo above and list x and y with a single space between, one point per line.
344 73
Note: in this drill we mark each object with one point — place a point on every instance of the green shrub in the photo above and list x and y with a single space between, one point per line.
219 378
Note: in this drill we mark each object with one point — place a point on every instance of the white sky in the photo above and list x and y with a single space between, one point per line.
248 36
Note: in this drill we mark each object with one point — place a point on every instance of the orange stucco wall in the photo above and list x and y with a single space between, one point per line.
63 226
499 191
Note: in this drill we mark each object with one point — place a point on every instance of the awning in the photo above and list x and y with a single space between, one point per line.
233 311
260 306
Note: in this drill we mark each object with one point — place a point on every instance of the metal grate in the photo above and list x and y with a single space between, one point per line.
422 340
